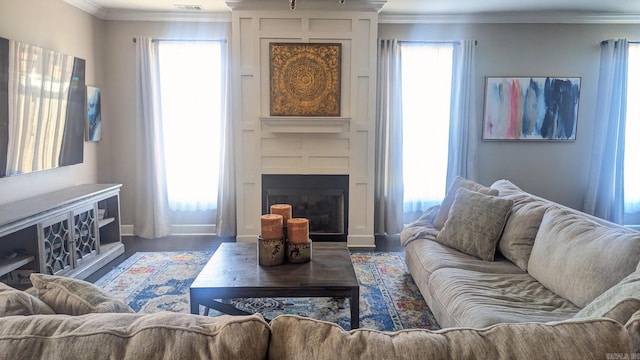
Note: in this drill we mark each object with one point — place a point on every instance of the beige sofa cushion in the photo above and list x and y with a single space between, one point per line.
474 299
16 302
580 259
475 223
75 297
295 337
430 256
423 257
618 303
161 335
458 183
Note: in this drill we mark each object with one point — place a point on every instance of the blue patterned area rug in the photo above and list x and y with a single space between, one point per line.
389 298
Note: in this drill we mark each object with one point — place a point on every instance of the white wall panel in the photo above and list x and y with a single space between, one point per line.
282 164
323 145
280 25
342 26
281 145
329 164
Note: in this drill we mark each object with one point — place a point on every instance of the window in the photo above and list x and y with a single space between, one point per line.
426 100
191 92
632 132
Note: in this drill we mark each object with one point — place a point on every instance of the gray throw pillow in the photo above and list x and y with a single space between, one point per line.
16 302
458 183
475 223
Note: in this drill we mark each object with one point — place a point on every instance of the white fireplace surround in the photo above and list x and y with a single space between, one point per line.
305 145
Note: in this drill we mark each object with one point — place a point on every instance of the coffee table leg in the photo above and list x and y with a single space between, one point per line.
354 304
195 307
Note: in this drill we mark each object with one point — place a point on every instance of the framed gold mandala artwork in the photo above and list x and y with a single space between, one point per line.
305 79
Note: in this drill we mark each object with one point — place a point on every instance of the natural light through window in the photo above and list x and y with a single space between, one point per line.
191 93
426 100
632 133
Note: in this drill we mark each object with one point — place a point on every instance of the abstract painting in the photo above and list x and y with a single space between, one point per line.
531 108
94 116
305 79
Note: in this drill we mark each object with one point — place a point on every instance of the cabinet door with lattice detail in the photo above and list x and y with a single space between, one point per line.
85 234
56 256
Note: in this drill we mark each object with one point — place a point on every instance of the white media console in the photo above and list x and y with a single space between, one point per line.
71 232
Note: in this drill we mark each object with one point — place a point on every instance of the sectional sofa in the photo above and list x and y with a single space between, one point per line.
497 254
507 274
72 320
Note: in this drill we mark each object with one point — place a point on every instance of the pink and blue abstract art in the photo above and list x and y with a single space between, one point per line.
531 108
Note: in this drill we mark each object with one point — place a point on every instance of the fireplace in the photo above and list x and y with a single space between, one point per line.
323 199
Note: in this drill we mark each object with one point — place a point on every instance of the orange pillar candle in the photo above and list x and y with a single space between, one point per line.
298 230
282 209
271 226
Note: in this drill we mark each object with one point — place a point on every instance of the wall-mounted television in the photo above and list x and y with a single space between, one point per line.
42 108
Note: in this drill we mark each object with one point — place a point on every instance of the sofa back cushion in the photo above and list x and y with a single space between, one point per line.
295 337
160 335
520 231
580 259
522 225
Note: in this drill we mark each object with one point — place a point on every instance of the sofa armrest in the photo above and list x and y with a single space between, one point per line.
423 228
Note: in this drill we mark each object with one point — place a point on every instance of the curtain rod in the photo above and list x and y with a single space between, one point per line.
135 40
630 42
475 42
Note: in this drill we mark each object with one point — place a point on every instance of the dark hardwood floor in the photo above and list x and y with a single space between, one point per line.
133 244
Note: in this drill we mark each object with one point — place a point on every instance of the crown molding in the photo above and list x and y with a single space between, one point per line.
489 18
88 7
510 18
348 5
128 15
137 15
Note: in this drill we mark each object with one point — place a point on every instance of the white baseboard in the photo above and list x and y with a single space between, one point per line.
361 241
195 229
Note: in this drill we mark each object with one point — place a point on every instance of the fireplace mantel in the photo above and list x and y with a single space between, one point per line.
305 125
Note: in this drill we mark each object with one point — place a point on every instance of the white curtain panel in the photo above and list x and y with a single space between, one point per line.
464 130
152 216
388 160
605 195
226 212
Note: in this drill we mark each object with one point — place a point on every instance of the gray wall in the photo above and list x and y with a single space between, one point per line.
554 170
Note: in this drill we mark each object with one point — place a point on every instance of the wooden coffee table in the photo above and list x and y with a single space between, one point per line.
233 272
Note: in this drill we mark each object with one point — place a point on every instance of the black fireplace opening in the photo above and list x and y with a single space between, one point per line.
323 199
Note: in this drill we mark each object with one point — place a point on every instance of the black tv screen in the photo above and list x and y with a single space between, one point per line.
42 108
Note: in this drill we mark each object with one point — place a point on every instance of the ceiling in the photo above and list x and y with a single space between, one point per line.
534 10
